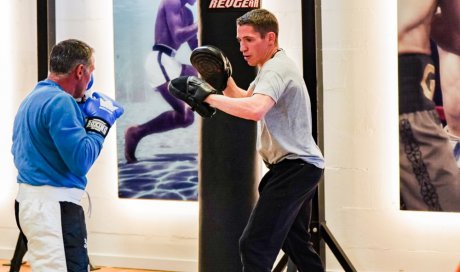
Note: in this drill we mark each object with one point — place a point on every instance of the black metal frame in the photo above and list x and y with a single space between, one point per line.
312 63
46 34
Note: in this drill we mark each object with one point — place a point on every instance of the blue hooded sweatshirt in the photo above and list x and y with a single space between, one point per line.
50 143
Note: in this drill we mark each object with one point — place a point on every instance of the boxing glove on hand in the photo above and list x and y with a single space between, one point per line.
81 101
101 112
90 83
193 91
212 65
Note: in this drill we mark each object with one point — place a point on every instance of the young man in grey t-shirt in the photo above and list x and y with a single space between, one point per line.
278 99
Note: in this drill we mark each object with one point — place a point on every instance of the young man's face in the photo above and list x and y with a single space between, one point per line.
256 50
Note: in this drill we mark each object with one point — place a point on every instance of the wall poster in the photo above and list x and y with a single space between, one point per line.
429 105
157 138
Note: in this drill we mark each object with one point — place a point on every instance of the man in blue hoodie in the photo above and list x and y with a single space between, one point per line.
55 142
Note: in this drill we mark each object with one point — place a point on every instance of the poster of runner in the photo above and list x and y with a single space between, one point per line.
157 140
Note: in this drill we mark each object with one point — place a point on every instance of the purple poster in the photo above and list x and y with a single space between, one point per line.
157 138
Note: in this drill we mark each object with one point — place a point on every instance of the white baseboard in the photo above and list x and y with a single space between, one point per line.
181 265
6 253
176 265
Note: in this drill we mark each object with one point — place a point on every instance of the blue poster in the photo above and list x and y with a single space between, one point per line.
157 138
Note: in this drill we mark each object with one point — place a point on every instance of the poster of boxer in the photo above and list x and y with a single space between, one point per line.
429 115
157 140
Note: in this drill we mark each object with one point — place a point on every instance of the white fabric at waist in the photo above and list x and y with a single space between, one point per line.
49 193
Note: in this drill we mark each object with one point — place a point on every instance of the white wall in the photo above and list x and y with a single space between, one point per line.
360 105
361 148
290 26
18 74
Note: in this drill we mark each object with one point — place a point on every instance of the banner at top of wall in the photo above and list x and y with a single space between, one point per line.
233 4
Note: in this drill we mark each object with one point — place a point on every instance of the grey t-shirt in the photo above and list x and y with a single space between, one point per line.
285 131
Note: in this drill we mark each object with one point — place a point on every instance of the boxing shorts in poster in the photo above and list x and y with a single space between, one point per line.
157 138
429 111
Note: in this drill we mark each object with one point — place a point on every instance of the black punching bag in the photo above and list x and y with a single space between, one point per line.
228 162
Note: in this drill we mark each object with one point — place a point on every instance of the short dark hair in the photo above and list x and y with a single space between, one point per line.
69 53
262 20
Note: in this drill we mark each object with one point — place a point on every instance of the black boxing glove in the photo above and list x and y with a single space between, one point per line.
193 91
212 65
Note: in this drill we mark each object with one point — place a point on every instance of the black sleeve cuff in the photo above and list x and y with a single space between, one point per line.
98 126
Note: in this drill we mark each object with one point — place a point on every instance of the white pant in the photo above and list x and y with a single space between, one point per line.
153 70
44 215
